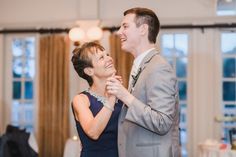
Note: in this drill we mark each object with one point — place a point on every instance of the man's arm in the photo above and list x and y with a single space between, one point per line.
161 108
160 111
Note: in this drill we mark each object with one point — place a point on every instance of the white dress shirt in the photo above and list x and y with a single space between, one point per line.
136 64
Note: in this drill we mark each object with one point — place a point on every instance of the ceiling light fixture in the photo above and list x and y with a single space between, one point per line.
94 33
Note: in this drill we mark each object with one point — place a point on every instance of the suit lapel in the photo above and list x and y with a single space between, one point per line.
148 58
143 65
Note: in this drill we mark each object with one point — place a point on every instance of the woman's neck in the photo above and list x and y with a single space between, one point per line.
99 88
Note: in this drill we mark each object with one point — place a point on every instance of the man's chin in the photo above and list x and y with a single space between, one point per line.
114 72
124 48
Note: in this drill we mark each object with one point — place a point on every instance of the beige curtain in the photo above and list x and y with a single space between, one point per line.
123 60
2 124
204 85
53 130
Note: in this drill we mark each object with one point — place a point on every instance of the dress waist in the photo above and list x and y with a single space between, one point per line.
99 148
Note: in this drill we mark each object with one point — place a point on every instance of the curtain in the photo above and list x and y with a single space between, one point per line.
53 129
1 87
204 96
123 60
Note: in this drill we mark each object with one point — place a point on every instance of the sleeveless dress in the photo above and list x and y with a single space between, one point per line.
106 144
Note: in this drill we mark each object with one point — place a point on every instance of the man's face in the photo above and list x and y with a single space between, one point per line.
129 34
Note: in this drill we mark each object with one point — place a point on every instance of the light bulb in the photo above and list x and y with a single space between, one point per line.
94 33
76 34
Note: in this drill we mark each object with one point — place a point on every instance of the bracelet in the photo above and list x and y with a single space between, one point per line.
105 104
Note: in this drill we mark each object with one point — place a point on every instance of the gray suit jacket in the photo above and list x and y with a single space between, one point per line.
150 126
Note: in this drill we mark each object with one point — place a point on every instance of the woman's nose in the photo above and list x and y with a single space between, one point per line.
109 58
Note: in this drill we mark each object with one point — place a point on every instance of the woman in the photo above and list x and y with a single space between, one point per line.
96 112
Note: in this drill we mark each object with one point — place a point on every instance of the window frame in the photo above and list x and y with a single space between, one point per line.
8 79
225 79
186 78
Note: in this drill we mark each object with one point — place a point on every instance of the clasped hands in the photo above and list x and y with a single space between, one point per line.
115 87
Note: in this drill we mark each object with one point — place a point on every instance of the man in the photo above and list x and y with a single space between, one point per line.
149 120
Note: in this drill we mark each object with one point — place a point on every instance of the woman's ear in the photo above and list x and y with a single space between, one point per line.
89 71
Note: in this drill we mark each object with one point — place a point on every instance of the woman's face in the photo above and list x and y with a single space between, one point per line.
102 64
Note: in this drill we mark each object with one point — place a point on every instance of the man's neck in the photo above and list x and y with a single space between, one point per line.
143 49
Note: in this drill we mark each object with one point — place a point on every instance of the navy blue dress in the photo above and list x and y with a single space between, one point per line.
106 144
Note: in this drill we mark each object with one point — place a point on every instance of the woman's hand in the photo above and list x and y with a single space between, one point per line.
114 87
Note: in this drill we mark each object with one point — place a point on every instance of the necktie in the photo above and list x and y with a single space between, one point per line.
132 74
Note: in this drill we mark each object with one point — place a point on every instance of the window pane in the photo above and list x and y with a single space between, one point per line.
230 110
183 112
226 7
182 90
30 68
16 90
23 69
183 136
229 67
17 68
181 66
28 90
15 116
29 116
168 45
29 128
229 91
175 49
30 45
183 131
17 47
28 113
181 44
228 43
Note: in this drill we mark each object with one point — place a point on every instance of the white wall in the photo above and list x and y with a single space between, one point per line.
41 13
37 11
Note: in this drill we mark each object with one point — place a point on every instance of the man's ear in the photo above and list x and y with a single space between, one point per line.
89 71
144 29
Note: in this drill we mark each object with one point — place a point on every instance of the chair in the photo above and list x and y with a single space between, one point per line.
72 147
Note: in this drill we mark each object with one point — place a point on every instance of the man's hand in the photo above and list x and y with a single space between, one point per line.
114 87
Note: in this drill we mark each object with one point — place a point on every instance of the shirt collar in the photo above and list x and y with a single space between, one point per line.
138 59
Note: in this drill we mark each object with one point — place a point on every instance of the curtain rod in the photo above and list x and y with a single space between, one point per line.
33 30
203 26
114 28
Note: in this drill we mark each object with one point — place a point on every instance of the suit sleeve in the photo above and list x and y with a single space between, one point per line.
161 109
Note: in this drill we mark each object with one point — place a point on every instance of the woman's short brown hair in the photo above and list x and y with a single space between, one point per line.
82 60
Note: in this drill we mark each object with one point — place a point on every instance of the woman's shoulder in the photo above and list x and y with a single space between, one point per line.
81 98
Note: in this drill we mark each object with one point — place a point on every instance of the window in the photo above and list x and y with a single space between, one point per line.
174 47
228 52
226 7
21 97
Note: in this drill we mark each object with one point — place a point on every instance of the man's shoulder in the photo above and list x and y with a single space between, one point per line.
158 59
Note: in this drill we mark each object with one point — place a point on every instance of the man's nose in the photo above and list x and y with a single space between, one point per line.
119 31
